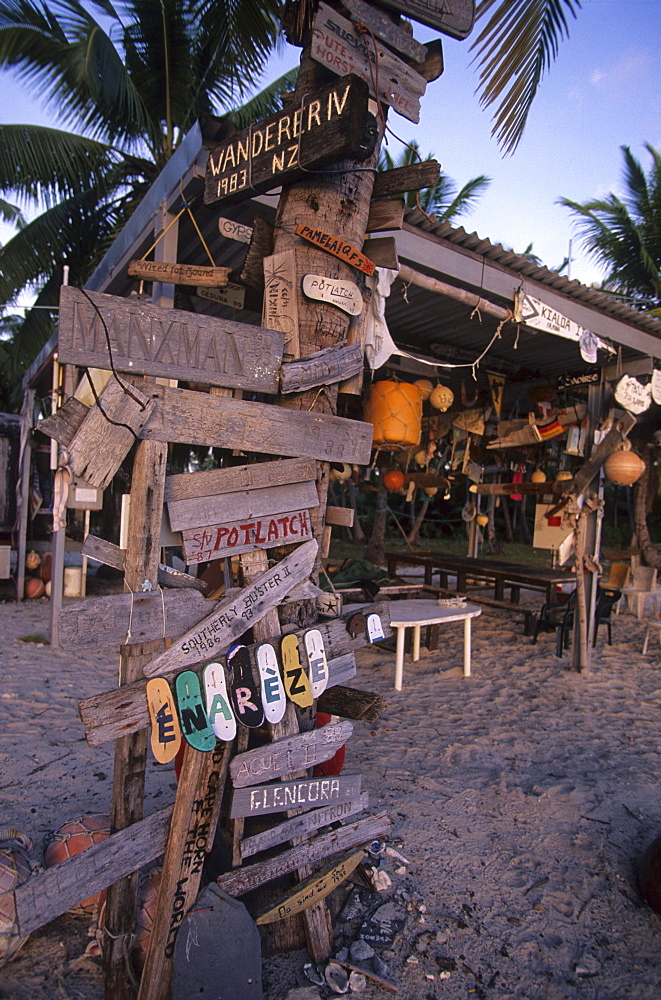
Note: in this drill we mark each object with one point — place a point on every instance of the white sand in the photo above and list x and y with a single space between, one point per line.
523 797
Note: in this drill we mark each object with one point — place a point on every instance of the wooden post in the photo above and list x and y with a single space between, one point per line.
142 556
27 416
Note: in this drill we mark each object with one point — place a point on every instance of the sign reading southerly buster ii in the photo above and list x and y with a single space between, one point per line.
148 340
327 126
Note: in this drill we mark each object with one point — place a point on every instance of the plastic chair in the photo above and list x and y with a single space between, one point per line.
643 585
606 601
558 618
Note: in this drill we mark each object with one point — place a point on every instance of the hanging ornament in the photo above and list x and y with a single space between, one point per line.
624 468
425 387
431 491
538 476
656 386
482 520
465 398
633 395
441 398
497 386
563 476
340 472
394 479
395 410
421 458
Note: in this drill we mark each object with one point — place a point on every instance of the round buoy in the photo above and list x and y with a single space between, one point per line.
649 875
624 468
425 386
441 398
71 839
394 479
34 587
14 869
32 561
538 476
144 921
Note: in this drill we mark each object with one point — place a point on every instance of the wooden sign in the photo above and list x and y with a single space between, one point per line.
192 485
241 505
311 890
149 340
280 309
385 29
297 683
328 126
220 715
124 619
82 496
192 715
337 247
111 555
340 48
300 826
454 19
399 180
285 756
234 230
283 795
179 274
382 251
233 616
333 364
219 541
317 662
231 295
246 701
272 691
165 728
386 213
221 422
345 295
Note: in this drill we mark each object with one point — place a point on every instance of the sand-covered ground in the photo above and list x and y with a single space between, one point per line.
521 798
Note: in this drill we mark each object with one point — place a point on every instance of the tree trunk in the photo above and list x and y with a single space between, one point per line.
412 537
525 530
508 523
644 492
358 533
376 547
495 548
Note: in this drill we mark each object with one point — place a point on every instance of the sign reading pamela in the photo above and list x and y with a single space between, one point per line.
326 126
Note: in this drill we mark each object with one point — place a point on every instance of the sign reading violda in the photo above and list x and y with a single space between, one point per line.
326 126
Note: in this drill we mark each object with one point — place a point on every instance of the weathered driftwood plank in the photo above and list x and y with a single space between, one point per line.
342 516
241 505
279 308
234 615
261 246
111 555
249 877
181 415
99 446
312 889
115 713
385 213
126 619
190 485
303 825
293 753
44 897
232 230
346 295
454 19
339 47
327 126
307 793
179 274
350 703
383 251
402 179
170 343
231 295
218 541
335 246
385 29
323 368
63 424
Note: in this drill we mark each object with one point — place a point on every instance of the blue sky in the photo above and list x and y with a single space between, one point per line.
603 91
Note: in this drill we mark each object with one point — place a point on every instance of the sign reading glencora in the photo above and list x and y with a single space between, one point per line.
328 125
148 340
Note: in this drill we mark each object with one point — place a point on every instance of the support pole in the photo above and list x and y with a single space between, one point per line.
27 417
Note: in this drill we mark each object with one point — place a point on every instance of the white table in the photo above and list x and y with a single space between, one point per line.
415 614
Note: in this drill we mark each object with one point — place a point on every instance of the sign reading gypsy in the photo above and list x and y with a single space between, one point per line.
327 126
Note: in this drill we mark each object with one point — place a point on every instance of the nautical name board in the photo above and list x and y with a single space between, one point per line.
293 753
326 127
232 230
232 295
182 274
222 540
336 246
344 294
146 339
454 19
284 795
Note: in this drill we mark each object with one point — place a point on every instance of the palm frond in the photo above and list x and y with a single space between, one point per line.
513 51
266 102
10 213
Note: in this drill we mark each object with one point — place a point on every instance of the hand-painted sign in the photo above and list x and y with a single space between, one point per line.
301 825
284 795
572 380
317 662
235 615
222 540
285 756
192 714
246 700
338 46
150 340
312 889
220 715
274 699
345 295
234 230
633 395
337 247
328 126
333 364
165 729
386 29
454 19
231 295
280 308
297 683
179 274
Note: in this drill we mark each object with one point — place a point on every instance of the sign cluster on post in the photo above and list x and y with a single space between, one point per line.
218 681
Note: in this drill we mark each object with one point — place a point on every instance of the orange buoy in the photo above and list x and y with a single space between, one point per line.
624 468
394 479
69 840
34 587
395 410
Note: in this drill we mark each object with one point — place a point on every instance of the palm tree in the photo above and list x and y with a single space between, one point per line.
515 48
624 234
443 199
126 86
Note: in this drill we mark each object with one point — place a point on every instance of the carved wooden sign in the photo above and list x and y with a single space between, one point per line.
299 826
454 19
280 310
312 889
179 274
294 753
340 48
232 295
344 294
282 795
333 364
328 126
334 245
219 421
236 614
241 504
232 230
218 541
149 340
